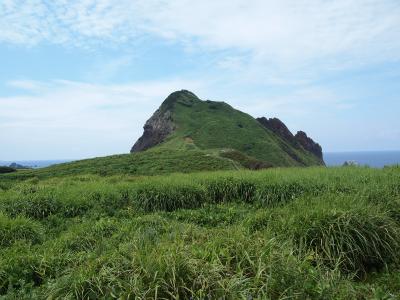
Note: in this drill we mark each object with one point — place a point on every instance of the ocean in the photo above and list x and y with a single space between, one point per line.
376 159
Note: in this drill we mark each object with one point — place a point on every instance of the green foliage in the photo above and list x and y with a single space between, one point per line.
226 189
169 197
151 162
19 229
30 202
354 241
246 161
216 125
4 169
316 233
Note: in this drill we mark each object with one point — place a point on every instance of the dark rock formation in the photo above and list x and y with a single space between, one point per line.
160 125
300 140
278 127
308 144
156 129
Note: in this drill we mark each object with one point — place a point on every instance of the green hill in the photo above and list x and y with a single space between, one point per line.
183 121
187 134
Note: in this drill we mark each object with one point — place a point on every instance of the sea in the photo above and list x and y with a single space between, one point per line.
375 159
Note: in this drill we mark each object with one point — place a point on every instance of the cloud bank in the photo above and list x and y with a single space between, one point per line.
286 32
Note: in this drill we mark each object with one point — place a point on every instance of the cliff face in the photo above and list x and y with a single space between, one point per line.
309 144
299 140
278 127
156 129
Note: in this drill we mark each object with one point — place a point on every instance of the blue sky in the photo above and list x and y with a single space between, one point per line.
79 78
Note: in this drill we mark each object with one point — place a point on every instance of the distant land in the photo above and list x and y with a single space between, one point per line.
35 163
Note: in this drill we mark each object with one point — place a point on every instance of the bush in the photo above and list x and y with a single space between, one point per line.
12 230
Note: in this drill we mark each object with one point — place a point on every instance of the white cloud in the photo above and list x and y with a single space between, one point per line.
75 119
289 32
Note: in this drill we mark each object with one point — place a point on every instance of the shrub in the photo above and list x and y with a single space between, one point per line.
12 230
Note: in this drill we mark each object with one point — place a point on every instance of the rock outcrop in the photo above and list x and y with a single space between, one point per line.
308 144
156 129
278 127
299 140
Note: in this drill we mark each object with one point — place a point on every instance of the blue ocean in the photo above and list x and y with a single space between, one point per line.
376 159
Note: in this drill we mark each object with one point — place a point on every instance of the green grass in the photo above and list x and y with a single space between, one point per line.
152 162
316 233
209 125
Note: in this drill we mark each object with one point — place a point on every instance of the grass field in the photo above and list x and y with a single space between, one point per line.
316 233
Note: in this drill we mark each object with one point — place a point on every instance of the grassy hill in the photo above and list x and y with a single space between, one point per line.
210 125
207 136
152 162
291 233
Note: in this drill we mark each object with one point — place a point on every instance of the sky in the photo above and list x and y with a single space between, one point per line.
79 79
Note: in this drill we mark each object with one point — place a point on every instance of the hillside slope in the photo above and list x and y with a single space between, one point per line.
152 162
183 121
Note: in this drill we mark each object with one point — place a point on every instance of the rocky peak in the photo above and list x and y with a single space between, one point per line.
278 127
308 144
161 124
156 129
300 140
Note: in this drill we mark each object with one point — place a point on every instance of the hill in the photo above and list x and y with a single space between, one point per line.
187 135
183 121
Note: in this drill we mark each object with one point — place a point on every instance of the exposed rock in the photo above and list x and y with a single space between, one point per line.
308 144
278 127
156 129
161 125
300 140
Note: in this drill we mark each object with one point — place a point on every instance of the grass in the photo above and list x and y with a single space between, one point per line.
152 162
209 125
316 233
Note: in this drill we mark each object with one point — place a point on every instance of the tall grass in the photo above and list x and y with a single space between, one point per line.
271 234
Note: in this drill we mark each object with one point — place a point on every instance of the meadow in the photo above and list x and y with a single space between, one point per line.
282 233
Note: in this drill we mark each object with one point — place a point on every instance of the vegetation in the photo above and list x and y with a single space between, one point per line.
4 169
210 125
151 162
317 233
